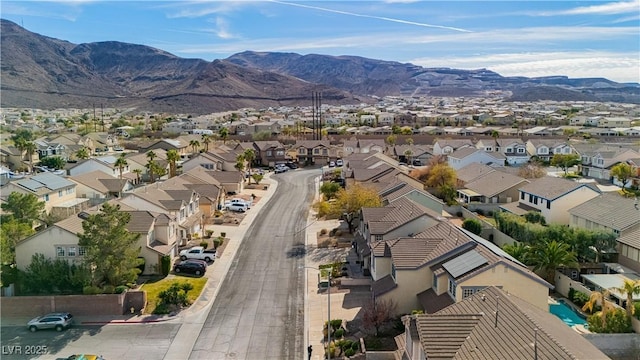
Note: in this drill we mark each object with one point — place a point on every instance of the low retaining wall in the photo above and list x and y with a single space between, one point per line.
78 305
564 283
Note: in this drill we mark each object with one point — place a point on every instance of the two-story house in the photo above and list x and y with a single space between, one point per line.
183 205
448 146
157 238
269 153
55 191
553 197
470 155
313 151
598 162
544 149
514 149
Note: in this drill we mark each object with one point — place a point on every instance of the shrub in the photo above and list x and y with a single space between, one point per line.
165 265
571 294
217 242
338 232
108 289
636 312
323 232
473 226
204 244
161 309
91 290
120 289
349 352
223 234
338 334
580 298
355 345
209 233
617 322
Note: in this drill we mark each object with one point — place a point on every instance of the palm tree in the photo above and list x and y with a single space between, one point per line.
240 162
151 155
172 157
407 156
629 288
249 155
138 173
83 153
30 147
120 163
547 256
602 298
519 250
195 144
224 134
206 140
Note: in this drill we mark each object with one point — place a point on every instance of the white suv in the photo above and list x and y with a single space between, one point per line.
58 321
280 168
237 207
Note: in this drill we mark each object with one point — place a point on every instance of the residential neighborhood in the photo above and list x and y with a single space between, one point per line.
448 215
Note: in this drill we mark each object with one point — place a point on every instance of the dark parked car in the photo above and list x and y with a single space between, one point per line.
58 321
190 268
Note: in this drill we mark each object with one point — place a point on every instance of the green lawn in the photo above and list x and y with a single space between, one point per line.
153 289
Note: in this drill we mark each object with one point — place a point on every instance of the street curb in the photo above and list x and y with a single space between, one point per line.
124 322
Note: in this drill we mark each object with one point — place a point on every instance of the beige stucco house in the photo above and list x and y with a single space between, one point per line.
53 190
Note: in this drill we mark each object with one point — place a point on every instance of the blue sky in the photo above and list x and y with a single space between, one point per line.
527 38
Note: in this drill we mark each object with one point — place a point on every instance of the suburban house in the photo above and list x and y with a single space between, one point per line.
232 182
205 160
55 191
471 172
493 323
269 153
448 146
106 164
495 187
470 155
314 152
598 163
553 197
401 217
514 149
607 212
181 146
629 248
98 186
45 148
544 149
444 264
411 154
212 194
17 160
60 241
101 142
183 205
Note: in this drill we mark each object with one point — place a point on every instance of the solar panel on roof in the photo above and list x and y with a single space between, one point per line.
464 263
30 184
52 181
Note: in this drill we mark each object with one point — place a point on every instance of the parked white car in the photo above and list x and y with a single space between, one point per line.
237 207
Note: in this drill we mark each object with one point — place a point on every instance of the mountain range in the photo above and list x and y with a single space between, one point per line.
43 72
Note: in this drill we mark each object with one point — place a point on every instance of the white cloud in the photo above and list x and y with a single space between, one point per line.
620 67
222 29
621 7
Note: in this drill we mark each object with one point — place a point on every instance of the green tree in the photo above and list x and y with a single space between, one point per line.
350 202
25 208
53 162
195 144
249 157
440 175
111 250
83 153
391 139
612 322
565 161
547 256
45 276
138 173
472 225
257 178
121 163
224 134
623 173
240 162
173 156
329 189
151 165
629 288
12 231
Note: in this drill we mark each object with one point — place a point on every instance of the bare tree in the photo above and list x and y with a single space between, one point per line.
377 313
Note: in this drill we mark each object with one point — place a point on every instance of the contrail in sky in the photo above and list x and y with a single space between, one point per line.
371 16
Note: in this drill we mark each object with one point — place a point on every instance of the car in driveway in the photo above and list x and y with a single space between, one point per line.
189 267
58 321
237 207
280 168
339 162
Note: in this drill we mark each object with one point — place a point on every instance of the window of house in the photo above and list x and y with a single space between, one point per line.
182 214
60 251
535 200
81 251
71 251
466 292
521 196
316 151
269 153
452 288
46 197
530 198
302 151
152 236
69 191
378 238
435 282
520 151
393 271
548 204
59 193
280 152
325 152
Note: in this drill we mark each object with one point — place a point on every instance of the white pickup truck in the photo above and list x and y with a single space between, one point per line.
198 252
246 203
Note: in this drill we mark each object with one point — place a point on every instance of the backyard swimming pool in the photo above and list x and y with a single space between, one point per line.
566 314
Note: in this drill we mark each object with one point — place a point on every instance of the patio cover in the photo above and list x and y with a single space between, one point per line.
609 281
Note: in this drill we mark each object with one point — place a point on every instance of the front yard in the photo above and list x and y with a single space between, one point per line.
154 287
